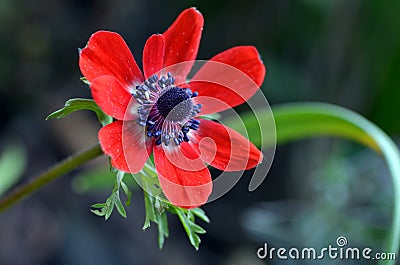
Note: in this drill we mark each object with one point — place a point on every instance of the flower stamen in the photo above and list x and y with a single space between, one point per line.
167 111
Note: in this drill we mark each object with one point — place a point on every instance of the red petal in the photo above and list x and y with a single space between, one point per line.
184 178
237 75
127 150
224 148
137 147
111 97
182 41
153 55
110 137
107 54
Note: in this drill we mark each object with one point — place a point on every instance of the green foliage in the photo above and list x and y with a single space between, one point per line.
155 212
187 218
105 209
156 208
76 104
85 81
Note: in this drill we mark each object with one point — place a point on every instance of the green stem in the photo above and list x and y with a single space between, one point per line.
51 174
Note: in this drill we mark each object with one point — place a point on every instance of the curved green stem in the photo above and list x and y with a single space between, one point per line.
296 121
51 174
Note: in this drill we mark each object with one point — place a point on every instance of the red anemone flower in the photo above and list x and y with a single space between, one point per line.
160 113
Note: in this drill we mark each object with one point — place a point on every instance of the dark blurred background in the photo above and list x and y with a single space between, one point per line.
337 51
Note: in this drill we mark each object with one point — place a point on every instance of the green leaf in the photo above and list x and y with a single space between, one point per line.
192 229
162 225
109 207
99 209
149 209
12 165
303 120
155 212
97 212
76 104
85 81
198 212
154 207
127 192
120 177
114 200
147 178
99 205
119 206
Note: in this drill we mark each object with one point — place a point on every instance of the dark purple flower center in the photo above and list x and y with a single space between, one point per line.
175 104
167 111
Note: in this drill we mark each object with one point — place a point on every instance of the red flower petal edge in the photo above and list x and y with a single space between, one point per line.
232 76
110 95
224 148
106 53
184 185
124 142
153 55
110 137
182 41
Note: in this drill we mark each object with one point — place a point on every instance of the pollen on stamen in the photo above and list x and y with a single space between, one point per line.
167 111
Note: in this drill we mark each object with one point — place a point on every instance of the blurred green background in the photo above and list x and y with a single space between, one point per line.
337 51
